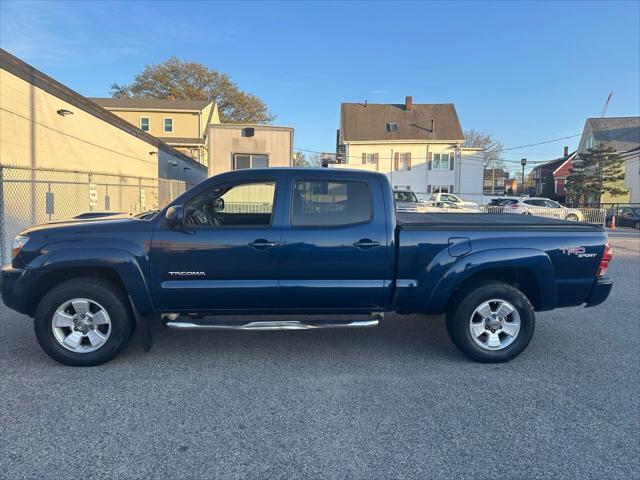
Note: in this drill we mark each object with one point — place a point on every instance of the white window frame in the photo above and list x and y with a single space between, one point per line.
440 160
250 155
148 124
164 124
371 158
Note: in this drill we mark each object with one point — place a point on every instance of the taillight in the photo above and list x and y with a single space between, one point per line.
514 206
604 262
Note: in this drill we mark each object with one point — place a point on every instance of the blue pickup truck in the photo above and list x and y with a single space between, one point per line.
304 242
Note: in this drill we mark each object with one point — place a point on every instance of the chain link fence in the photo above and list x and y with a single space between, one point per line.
31 196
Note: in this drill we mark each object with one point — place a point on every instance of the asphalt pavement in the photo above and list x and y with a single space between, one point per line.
397 401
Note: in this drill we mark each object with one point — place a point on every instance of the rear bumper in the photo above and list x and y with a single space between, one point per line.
14 295
600 291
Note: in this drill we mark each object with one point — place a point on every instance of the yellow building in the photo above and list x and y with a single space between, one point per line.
179 123
418 147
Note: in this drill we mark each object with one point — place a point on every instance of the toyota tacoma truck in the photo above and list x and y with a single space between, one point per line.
306 242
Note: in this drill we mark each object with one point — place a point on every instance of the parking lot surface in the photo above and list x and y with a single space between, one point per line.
397 401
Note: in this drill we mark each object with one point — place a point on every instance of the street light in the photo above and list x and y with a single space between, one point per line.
523 162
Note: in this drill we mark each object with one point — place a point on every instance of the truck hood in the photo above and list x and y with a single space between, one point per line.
85 221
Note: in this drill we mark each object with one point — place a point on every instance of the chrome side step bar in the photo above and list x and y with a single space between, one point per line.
275 325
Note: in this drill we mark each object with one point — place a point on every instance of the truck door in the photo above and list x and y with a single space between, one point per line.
335 251
225 254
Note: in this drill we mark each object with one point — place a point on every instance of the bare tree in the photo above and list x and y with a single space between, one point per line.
491 148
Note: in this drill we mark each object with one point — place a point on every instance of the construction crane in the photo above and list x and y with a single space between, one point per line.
606 104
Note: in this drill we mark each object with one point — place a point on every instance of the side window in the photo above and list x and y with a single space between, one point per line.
239 205
325 203
552 204
144 124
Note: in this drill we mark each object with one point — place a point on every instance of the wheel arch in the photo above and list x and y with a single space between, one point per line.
529 270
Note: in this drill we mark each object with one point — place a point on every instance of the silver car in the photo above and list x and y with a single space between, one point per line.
406 201
544 207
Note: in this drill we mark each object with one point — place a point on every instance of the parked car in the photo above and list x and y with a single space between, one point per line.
497 205
625 217
450 197
298 241
545 208
407 201
449 207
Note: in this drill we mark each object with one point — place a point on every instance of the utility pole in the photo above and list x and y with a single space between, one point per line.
523 162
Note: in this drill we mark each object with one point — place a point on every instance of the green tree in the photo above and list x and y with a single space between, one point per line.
300 160
194 81
549 187
598 171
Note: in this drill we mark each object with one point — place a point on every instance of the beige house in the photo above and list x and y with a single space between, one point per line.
179 123
418 147
234 146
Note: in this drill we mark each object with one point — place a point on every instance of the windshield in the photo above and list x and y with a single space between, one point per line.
405 197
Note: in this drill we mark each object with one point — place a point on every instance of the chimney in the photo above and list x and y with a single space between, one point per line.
566 151
433 126
408 101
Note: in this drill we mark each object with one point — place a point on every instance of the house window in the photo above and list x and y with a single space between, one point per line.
168 124
404 161
393 127
440 161
439 188
249 160
145 124
369 158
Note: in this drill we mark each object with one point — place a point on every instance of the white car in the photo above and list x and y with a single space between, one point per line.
543 207
447 207
450 197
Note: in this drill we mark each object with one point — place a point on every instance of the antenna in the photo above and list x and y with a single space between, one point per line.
606 104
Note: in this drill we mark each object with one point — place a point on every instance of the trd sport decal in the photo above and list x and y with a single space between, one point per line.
579 252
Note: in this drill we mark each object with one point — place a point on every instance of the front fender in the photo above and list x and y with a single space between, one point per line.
534 261
123 263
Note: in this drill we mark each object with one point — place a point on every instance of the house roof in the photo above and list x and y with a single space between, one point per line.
553 164
35 77
365 122
621 133
151 104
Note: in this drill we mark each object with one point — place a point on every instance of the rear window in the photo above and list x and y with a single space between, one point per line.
330 203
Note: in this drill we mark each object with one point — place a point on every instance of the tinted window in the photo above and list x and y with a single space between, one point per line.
552 204
535 203
240 205
330 203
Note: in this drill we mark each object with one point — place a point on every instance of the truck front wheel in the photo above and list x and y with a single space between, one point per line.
491 322
83 322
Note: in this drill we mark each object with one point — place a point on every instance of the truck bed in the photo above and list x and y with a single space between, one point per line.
487 221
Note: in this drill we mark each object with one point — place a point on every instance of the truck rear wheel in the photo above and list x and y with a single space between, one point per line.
491 322
83 322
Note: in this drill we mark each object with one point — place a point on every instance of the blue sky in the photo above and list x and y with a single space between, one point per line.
521 71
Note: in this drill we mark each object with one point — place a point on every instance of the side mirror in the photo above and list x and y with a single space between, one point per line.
175 215
218 205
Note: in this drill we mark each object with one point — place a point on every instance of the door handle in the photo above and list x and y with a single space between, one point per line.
366 244
262 244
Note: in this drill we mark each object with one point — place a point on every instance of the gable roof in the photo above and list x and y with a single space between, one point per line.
621 133
360 122
151 104
553 164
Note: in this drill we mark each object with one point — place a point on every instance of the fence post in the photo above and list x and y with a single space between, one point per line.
2 233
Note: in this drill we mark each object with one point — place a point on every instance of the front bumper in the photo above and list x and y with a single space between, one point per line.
600 291
14 295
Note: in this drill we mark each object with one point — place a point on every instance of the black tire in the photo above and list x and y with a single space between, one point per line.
463 307
101 291
636 225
